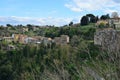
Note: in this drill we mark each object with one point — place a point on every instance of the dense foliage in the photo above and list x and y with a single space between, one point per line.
37 61
55 62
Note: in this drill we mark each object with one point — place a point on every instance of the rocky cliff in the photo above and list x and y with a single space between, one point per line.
108 39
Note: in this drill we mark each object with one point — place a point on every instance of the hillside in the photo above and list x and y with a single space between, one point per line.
78 60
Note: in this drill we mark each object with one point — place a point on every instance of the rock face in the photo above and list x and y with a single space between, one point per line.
108 39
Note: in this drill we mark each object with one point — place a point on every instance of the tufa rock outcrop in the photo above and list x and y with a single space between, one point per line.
108 39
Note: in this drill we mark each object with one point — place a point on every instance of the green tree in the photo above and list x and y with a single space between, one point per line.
84 20
71 23
104 17
114 15
92 18
8 25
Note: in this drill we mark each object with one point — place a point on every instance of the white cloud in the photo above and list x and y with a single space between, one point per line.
90 5
110 11
37 21
73 8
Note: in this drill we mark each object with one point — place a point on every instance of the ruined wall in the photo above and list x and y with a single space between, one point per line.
108 39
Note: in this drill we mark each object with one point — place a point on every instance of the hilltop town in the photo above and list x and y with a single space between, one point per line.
13 35
88 50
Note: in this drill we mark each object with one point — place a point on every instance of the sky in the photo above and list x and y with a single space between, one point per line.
53 12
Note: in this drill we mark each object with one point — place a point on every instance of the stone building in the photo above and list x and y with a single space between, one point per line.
63 39
31 40
19 38
114 22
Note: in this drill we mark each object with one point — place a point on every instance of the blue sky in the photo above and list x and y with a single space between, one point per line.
52 12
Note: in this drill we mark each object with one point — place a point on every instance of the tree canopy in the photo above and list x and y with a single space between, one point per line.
84 20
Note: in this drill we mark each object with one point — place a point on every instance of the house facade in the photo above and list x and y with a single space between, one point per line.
114 22
31 40
111 23
19 38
